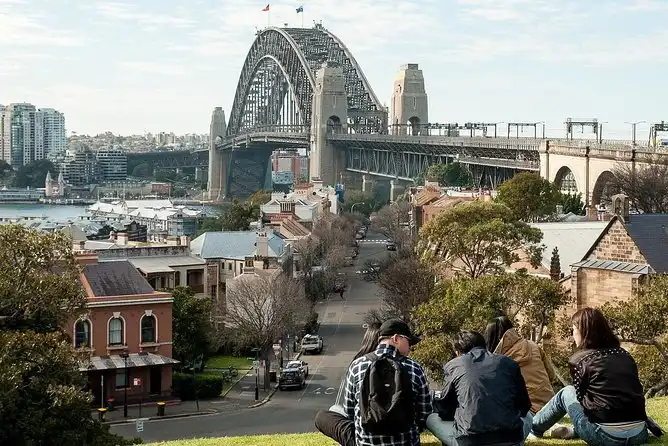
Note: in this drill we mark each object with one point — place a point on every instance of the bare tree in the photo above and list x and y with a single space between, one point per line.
646 185
405 283
261 309
392 221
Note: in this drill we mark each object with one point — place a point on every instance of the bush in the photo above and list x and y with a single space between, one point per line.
208 386
651 368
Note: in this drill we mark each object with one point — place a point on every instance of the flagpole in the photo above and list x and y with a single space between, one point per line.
302 14
269 18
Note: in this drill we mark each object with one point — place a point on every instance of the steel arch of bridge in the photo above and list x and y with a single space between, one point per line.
277 81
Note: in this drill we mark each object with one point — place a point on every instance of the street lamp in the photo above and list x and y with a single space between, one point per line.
633 129
352 208
125 355
257 372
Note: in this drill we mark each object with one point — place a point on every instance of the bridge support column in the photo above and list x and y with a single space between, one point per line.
409 102
217 166
365 185
393 191
329 115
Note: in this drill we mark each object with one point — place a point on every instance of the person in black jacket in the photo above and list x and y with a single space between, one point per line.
485 400
606 402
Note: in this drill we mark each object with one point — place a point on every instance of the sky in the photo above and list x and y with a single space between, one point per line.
163 65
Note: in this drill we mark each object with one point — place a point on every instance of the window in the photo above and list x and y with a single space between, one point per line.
121 378
148 326
116 331
82 334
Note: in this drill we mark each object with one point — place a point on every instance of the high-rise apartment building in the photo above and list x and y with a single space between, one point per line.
28 134
113 164
50 137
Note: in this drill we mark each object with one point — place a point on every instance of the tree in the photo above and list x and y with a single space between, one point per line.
363 202
42 396
33 174
5 170
643 321
259 198
646 185
392 221
555 265
479 238
466 303
262 309
405 282
453 174
192 330
572 203
529 196
239 216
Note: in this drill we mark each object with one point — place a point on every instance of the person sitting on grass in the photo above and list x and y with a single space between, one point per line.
536 368
606 402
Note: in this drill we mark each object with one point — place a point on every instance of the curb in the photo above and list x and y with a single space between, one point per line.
166 417
273 391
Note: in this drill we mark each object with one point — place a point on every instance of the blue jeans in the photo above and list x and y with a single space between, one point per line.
566 402
445 430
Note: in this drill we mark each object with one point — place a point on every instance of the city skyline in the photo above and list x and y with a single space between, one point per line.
113 66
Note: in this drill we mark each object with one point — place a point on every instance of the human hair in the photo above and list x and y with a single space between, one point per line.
369 341
495 331
465 341
594 329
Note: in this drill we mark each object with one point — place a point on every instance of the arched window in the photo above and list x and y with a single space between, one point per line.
148 326
82 334
116 331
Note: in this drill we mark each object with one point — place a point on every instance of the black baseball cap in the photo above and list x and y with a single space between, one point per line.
397 327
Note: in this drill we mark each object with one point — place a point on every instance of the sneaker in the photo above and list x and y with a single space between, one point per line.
532 437
563 433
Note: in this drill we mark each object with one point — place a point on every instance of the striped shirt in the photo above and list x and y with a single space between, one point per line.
421 395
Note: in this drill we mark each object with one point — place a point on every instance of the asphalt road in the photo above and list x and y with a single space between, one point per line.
291 411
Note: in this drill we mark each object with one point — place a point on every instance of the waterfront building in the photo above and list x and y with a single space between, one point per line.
125 333
8 195
113 164
50 136
161 217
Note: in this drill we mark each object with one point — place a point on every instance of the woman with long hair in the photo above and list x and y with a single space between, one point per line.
606 402
333 422
502 338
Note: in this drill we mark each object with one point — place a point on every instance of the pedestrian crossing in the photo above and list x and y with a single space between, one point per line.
372 241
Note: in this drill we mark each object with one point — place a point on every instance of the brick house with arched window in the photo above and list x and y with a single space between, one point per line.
125 333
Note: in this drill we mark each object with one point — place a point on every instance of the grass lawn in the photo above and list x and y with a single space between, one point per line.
657 408
223 362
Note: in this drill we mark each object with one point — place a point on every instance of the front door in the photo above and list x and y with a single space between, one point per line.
156 380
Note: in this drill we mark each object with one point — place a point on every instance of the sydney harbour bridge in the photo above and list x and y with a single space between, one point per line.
301 88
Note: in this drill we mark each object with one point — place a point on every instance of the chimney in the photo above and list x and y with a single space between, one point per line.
262 244
621 207
249 266
79 246
560 209
122 238
185 240
86 258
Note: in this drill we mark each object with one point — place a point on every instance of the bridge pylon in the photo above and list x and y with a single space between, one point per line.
409 102
218 160
329 114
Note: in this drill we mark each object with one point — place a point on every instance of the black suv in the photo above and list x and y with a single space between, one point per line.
291 378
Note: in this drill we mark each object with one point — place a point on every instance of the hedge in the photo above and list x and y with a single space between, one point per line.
208 386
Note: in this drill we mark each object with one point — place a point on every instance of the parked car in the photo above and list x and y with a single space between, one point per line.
312 343
301 365
391 246
291 378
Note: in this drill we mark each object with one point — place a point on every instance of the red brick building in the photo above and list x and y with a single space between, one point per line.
126 331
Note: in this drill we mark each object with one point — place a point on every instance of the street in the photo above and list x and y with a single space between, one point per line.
289 411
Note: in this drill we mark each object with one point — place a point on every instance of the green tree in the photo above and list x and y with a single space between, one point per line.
529 196
192 329
5 169
259 198
572 203
364 202
239 216
643 321
452 174
470 304
42 396
555 265
479 238
34 174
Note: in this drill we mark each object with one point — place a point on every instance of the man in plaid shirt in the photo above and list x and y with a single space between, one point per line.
396 340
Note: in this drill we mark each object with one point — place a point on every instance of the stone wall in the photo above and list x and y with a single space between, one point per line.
617 245
596 287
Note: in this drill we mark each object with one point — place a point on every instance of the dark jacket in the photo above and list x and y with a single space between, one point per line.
487 397
607 385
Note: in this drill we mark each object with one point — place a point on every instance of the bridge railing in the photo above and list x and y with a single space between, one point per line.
278 128
479 142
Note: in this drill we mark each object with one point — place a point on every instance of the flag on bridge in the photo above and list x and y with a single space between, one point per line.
266 8
300 9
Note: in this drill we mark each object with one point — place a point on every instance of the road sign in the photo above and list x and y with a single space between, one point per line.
136 382
277 349
256 363
140 424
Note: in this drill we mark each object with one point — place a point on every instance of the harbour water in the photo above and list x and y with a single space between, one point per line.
54 212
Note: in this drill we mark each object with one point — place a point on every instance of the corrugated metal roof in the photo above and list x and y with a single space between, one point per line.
159 264
233 245
633 268
573 239
113 362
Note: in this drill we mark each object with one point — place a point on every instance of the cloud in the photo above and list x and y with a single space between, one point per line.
24 29
128 12
647 6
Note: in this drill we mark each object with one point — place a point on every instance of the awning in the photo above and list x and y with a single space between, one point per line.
113 362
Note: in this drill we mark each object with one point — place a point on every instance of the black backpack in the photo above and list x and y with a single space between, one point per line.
386 401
